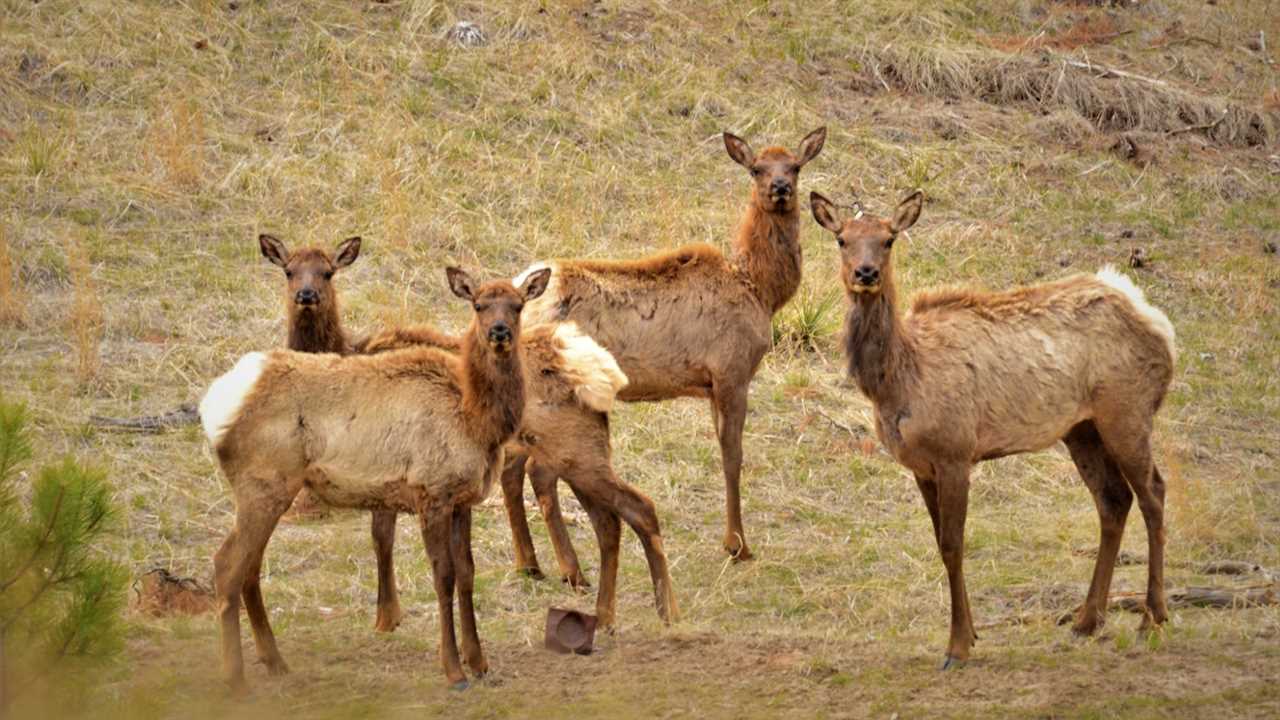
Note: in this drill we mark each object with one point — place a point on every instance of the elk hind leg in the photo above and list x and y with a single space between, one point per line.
1113 499
543 479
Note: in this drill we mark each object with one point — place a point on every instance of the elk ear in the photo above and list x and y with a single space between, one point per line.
908 211
812 144
348 251
825 213
273 249
739 150
536 284
460 283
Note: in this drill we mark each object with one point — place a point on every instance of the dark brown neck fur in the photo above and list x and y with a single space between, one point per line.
879 355
317 330
492 390
768 253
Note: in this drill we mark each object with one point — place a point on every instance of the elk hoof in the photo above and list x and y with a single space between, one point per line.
276 666
534 572
460 685
951 662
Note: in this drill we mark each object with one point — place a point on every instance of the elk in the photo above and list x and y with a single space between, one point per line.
418 430
570 386
968 376
688 322
311 305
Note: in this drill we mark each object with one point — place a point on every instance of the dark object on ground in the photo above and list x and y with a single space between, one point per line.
1230 567
186 414
569 631
1137 258
161 593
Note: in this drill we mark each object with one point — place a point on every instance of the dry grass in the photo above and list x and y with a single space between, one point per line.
85 319
161 138
13 300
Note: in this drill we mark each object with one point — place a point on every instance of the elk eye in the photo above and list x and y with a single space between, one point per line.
328 275
840 241
547 372
480 308
288 273
755 172
889 243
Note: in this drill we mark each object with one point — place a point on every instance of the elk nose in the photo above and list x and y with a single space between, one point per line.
500 333
780 187
867 275
307 296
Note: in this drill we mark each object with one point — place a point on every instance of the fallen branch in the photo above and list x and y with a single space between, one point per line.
1201 597
186 414
1106 72
858 434
1193 128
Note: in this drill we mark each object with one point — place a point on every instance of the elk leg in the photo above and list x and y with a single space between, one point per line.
543 480
609 535
255 520
1130 448
465 567
1113 498
383 529
639 512
730 417
929 491
513 499
263 638
436 528
953 506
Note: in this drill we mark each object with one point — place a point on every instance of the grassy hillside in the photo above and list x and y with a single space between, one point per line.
144 145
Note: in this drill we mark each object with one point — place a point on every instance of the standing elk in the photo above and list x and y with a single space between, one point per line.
315 326
968 376
570 384
418 430
684 323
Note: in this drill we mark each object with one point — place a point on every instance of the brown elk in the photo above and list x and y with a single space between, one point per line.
970 376
310 299
418 430
570 383
315 325
688 322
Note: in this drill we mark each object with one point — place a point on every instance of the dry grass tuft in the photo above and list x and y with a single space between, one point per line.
13 299
178 143
85 319
1110 100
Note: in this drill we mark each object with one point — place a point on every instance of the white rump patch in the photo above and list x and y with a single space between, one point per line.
221 405
1154 319
592 369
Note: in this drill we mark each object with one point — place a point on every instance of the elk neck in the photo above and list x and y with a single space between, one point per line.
317 330
876 345
767 251
492 390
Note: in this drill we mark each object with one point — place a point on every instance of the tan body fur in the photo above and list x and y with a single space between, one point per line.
417 430
690 322
968 376
564 433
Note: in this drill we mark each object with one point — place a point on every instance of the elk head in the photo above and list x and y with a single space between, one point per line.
309 270
865 241
776 170
497 305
